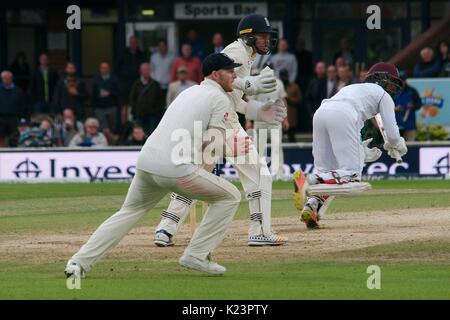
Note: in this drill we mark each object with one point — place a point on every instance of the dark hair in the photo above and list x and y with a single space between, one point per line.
162 40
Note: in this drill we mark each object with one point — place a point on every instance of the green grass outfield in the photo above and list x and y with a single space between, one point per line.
58 208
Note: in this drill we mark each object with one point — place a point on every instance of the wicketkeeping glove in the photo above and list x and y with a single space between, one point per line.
265 82
370 154
272 112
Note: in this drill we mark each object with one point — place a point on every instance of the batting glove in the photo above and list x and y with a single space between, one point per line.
370 154
398 151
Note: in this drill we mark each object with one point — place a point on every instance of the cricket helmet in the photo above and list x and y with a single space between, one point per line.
387 76
253 24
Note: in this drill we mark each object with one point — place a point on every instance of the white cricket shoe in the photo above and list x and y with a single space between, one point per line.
269 240
163 238
206 265
74 269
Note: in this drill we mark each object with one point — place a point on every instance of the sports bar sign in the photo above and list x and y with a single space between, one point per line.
218 10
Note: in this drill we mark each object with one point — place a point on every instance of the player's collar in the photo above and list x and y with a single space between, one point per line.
209 82
248 49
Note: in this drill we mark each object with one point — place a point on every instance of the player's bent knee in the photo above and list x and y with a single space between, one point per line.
235 195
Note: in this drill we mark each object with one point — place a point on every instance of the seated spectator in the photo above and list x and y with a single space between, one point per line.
147 104
70 92
192 63
12 106
22 127
137 138
21 70
40 134
428 66
406 105
67 127
105 101
91 137
182 83
42 86
48 130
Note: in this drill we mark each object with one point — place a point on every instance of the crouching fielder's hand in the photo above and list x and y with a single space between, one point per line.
397 151
237 145
265 82
272 112
370 154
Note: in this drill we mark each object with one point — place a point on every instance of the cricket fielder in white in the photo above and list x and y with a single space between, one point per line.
160 170
339 154
262 130
254 36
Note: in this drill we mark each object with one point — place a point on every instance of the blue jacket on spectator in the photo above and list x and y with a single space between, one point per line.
427 70
12 101
408 95
110 84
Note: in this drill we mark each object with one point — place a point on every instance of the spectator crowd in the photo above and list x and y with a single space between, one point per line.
124 104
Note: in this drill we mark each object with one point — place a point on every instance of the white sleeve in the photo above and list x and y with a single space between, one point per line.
219 112
387 113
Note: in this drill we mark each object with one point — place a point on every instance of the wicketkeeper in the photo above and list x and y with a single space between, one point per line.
339 154
255 35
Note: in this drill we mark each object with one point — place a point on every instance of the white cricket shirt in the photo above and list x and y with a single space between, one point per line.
207 105
243 54
367 99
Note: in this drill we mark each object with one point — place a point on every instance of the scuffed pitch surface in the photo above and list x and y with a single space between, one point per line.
343 232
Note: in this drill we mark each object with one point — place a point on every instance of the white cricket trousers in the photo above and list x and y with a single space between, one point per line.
337 140
145 191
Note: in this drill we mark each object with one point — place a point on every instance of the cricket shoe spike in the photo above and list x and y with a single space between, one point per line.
269 240
310 217
300 185
74 269
206 265
163 238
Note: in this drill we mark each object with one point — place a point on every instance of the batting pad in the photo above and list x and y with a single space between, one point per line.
347 189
